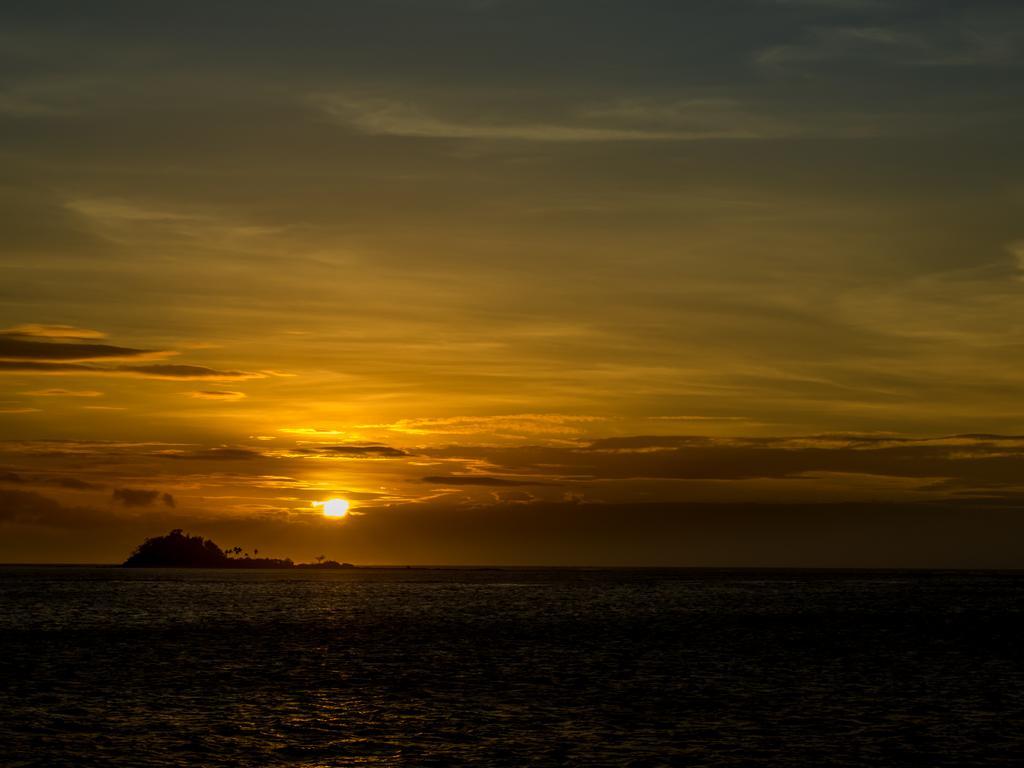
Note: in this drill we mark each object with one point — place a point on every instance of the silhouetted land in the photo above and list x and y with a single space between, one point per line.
179 550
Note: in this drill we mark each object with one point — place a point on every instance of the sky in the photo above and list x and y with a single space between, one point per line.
580 282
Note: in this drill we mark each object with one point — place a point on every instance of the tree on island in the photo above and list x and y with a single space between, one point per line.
179 550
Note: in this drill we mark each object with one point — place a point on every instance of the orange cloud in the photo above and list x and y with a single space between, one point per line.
226 396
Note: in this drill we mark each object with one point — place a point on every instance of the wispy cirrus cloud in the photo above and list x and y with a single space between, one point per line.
972 39
52 331
838 43
130 222
649 118
396 117
115 210
521 424
738 115
60 392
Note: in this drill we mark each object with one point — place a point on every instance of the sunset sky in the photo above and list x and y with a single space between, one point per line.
730 282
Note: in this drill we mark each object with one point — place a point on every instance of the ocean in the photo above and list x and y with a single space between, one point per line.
510 667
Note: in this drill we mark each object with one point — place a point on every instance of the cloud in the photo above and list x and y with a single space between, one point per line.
119 210
18 409
31 508
971 38
14 348
224 453
315 431
58 392
480 480
650 119
13 104
140 497
68 350
52 332
1016 250
835 43
70 483
388 117
614 469
645 118
522 423
832 465
214 394
135 497
373 450
703 418
40 367
159 372
87 449
74 483
186 372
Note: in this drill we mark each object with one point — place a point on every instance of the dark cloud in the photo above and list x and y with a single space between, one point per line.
31 508
135 497
643 442
966 459
832 439
482 480
71 483
216 454
168 500
16 348
355 451
186 372
43 367
63 349
155 371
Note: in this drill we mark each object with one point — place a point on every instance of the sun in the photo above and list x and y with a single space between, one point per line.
334 507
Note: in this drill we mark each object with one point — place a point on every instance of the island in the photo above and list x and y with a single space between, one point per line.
180 550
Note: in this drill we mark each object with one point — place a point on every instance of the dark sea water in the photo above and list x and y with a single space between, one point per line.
109 667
